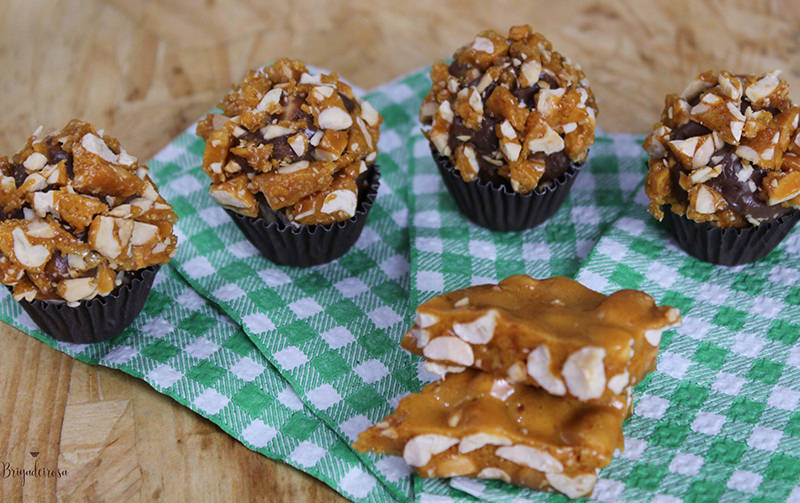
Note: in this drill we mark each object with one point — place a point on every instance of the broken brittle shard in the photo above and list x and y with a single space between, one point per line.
552 333
538 378
478 425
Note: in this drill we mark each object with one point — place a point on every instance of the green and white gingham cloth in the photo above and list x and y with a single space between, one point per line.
333 330
449 252
718 420
185 348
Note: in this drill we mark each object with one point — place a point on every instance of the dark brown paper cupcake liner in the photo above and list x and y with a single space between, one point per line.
307 245
499 208
728 246
98 319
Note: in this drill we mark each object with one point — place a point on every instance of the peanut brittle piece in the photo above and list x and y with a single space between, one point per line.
476 424
552 333
336 203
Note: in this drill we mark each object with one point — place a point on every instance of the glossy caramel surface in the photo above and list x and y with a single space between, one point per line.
580 435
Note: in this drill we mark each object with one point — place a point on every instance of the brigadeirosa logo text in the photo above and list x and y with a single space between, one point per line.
9 471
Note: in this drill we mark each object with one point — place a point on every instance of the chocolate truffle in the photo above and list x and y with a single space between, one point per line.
510 110
290 146
83 231
78 211
727 151
724 168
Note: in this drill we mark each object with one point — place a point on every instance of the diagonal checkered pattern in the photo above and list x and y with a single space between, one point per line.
448 252
719 419
185 348
333 330
318 358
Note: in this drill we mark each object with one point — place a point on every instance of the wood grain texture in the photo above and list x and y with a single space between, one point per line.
144 70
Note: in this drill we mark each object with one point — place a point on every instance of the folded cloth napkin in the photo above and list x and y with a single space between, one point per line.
184 347
449 252
333 330
718 420
715 422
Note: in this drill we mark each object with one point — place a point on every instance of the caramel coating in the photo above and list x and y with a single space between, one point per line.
726 151
566 436
292 142
76 211
553 333
538 380
510 109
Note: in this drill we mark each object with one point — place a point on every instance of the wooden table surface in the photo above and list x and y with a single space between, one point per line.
144 70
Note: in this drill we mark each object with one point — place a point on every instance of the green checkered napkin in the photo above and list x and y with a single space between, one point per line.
449 252
183 347
717 421
332 331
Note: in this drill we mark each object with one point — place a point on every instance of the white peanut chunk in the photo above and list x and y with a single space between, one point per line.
334 118
759 90
501 389
618 382
112 236
40 229
97 146
420 335
530 70
28 254
35 162
450 348
419 450
368 113
539 370
653 336
425 320
340 200
493 473
272 97
273 131
478 440
143 233
531 457
73 290
572 487
550 143
441 369
483 44
516 372
478 331
584 373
